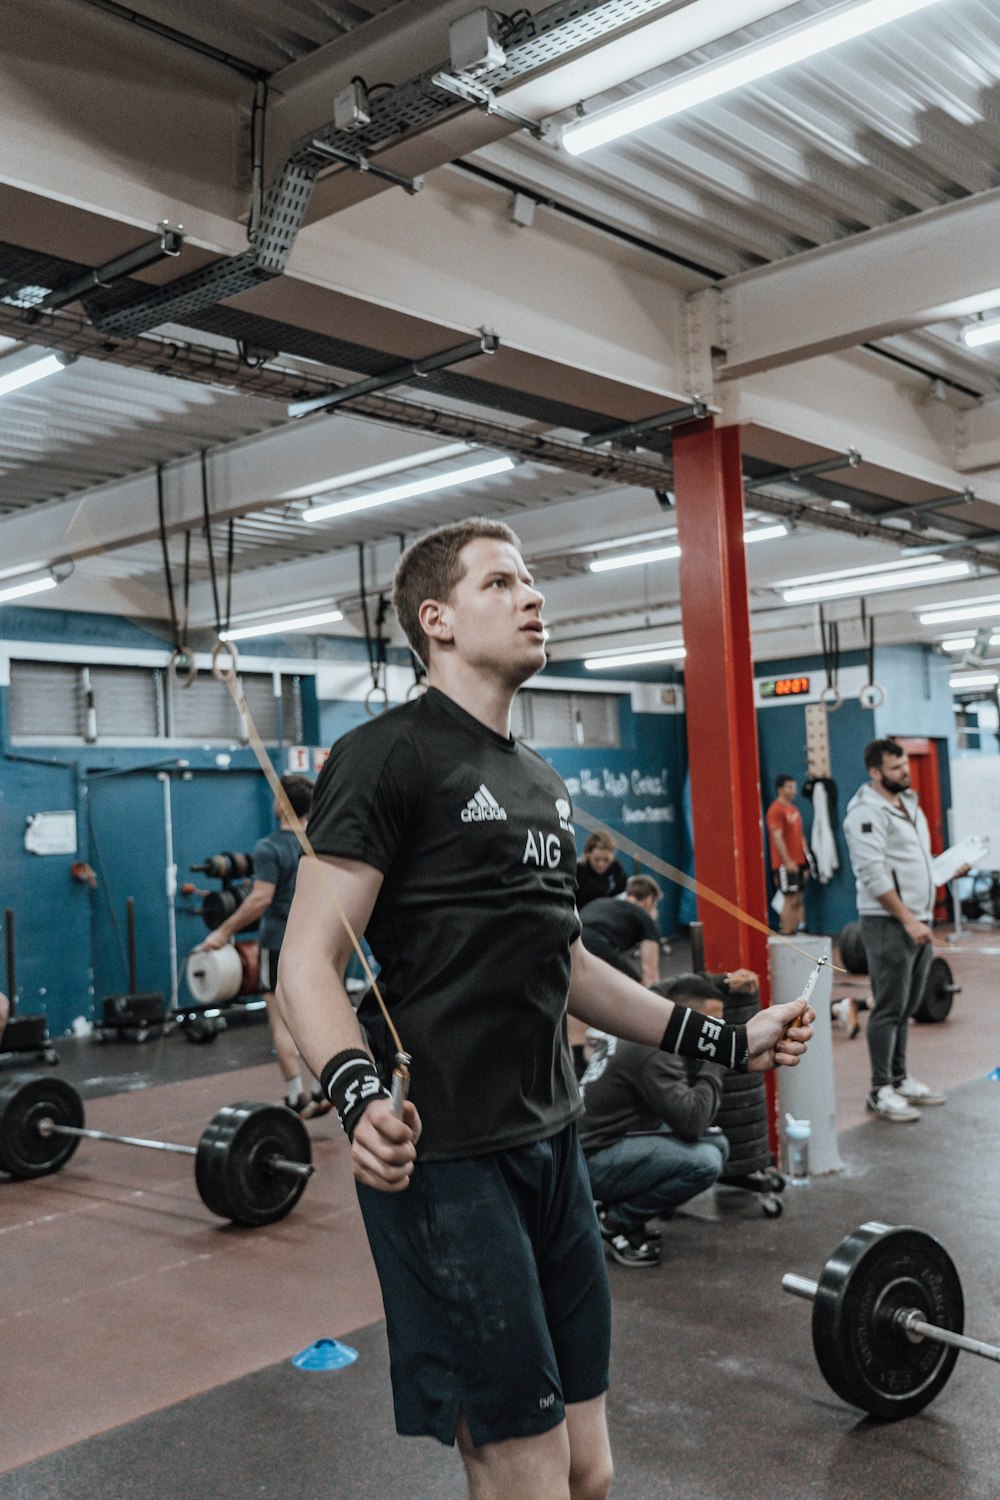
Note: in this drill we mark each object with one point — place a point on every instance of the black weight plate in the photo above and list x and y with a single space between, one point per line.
939 993
753 1114
852 949
25 1100
231 1167
863 1355
740 1135
742 1084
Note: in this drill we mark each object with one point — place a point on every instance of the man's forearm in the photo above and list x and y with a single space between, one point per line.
316 1007
893 903
609 1000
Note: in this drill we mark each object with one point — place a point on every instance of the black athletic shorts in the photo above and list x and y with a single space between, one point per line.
790 881
495 1291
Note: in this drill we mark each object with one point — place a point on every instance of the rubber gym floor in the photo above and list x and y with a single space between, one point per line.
147 1346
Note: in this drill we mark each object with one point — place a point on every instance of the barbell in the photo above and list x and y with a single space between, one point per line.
251 1164
887 1319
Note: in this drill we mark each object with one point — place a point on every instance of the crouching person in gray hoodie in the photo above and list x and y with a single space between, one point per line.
890 850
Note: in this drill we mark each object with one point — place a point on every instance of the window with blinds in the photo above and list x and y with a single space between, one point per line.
139 705
558 720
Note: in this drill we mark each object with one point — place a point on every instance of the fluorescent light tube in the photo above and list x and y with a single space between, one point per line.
875 583
748 65
22 590
664 554
974 680
376 471
672 651
981 333
972 609
765 533
28 374
634 559
409 490
965 642
282 627
867 570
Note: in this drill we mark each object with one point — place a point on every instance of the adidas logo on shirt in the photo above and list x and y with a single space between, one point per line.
483 808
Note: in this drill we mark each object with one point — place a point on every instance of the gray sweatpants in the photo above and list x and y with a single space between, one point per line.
898 970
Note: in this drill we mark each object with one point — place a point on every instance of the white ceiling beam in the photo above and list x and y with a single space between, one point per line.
977 441
243 477
943 265
855 400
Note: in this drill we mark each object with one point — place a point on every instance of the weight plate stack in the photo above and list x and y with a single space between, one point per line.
232 1170
26 1099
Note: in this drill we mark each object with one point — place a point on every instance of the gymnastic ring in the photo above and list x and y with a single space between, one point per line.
416 689
182 656
225 674
831 699
373 693
872 695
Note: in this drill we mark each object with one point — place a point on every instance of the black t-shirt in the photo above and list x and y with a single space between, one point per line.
590 884
618 924
473 923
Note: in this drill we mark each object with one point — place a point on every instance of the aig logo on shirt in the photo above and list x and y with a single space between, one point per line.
541 848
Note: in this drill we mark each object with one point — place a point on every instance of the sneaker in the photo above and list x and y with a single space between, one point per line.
915 1092
889 1105
609 1231
846 1011
631 1247
309 1107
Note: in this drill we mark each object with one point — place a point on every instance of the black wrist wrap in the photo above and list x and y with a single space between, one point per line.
691 1034
350 1082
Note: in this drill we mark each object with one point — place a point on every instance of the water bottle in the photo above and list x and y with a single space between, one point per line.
797 1134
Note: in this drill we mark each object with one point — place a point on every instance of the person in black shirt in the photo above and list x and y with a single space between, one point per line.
612 928
598 873
451 845
648 1131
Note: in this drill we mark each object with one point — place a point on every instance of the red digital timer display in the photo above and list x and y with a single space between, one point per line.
785 687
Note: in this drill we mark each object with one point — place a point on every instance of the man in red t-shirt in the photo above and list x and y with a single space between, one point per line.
788 852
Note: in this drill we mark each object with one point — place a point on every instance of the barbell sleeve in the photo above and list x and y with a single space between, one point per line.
907 1320
799 1286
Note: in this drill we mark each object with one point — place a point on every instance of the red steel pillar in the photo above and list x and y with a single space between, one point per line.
719 694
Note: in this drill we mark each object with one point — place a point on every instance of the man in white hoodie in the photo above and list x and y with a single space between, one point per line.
889 844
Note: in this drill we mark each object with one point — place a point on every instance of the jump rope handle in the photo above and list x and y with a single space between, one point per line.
400 1083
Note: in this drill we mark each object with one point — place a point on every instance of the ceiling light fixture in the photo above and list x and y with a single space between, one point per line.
974 680
748 65
282 626
669 651
664 554
22 590
634 559
866 570
376 471
955 609
37 370
874 583
965 642
409 490
981 333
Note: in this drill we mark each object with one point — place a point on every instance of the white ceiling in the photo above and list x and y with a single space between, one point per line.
735 253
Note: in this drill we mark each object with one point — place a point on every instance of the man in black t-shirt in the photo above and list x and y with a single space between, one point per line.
612 927
451 846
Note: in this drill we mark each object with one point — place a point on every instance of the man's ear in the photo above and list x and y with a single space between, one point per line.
435 620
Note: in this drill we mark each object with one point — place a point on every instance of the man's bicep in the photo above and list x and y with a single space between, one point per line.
328 890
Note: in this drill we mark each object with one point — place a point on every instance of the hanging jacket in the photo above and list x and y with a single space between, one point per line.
822 839
890 849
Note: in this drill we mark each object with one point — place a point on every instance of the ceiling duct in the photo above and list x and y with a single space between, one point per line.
395 113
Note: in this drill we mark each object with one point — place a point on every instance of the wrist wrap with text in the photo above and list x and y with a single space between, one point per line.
350 1082
690 1034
